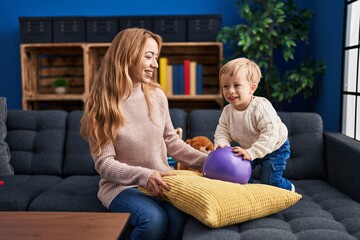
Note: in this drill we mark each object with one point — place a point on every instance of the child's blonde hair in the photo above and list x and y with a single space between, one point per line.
242 65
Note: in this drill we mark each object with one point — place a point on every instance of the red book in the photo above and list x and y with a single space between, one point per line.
187 77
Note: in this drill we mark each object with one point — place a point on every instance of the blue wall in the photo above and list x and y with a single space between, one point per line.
326 43
325 39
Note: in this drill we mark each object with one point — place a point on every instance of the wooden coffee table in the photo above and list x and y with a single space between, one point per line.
62 225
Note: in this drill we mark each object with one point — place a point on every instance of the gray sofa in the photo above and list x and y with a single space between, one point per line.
54 172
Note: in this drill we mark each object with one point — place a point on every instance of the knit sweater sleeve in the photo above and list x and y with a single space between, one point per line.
222 132
108 167
272 132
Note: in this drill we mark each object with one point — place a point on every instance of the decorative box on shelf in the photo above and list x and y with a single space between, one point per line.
101 29
68 29
35 29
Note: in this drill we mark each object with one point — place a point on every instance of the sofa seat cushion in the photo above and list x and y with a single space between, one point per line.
19 191
74 194
322 213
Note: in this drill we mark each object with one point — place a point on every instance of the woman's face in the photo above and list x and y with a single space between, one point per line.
145 70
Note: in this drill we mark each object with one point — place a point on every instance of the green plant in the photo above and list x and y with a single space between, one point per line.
60 82
272 28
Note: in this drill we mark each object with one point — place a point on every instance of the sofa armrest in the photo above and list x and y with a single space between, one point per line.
342 156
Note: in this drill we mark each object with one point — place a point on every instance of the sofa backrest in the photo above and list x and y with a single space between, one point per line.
179 119
77 160
203 122
305 137
306 144
36 141
48 142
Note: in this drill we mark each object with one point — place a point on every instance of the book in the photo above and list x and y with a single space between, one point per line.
199 79
193 78
181 84
175 77
163 62
178 79
186 76
169 80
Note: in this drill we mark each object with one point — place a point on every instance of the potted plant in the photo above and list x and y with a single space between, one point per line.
60 85
270 33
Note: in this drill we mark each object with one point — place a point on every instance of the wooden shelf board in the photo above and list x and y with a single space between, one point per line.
194 97
55 97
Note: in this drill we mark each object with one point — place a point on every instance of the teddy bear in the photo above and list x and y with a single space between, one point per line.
200 143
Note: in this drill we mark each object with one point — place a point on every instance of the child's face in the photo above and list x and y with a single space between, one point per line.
237 90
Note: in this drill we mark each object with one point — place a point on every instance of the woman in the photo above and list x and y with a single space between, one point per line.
127 122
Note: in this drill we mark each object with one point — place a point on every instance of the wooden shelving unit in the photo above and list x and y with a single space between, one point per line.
79 62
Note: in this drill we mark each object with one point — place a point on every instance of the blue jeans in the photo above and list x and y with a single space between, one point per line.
273 166
150 218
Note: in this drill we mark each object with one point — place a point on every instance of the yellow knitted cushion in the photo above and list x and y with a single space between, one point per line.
218 203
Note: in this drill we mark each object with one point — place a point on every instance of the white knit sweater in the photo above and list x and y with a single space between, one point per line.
258 129
141 147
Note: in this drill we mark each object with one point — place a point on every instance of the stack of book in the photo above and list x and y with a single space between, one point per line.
181 79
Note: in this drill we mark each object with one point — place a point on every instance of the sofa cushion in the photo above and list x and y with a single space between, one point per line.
74 194
36 141
306 144
5 167
19 190
322 213
203 122
78 160
218 203
179 119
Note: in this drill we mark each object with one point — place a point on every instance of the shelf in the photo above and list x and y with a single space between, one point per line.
41 63
65 96
79 62
208 97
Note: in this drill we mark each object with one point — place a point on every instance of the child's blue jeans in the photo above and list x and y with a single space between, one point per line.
273 166
150 218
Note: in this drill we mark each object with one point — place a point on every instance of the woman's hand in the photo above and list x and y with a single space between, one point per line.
155 182
241 152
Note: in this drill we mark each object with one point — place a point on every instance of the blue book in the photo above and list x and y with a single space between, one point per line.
181 82
199 79
176 79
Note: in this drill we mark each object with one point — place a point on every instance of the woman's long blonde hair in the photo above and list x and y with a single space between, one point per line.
102 116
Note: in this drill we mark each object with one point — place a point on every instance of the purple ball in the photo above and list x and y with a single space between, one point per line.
222 164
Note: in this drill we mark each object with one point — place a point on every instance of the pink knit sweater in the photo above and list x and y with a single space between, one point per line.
141 146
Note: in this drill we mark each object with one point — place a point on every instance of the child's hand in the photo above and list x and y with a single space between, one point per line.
220 146
241 152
